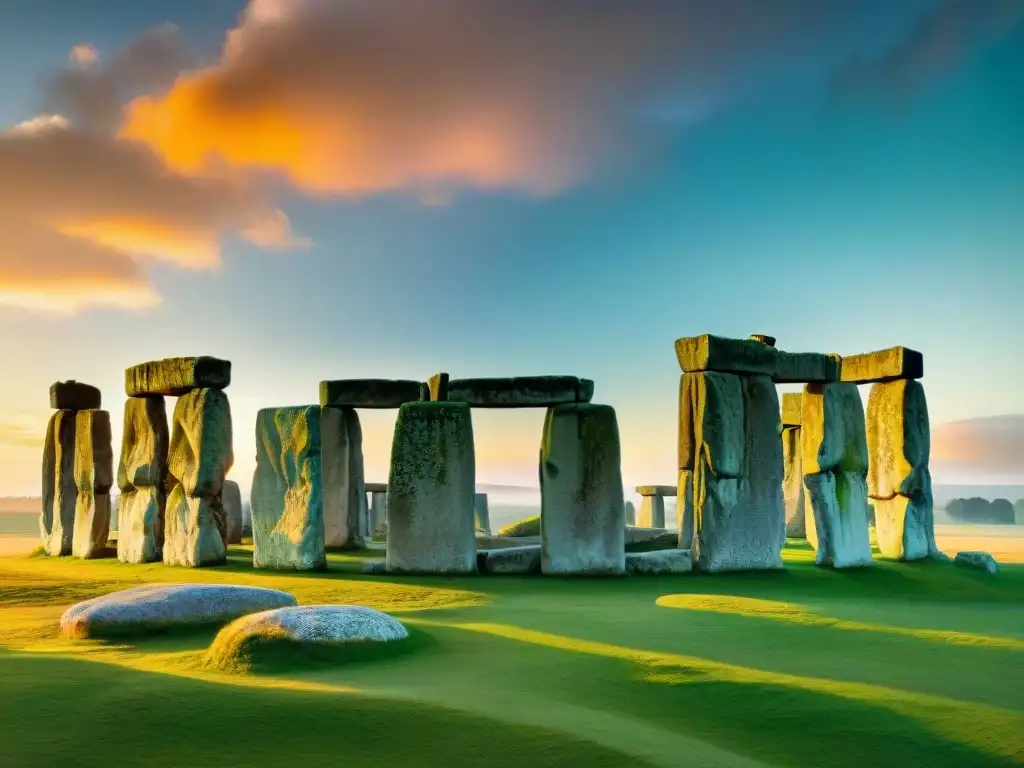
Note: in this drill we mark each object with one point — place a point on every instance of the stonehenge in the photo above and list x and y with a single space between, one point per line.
60 493
94 476
142 479
652 505
378 509
231 498
793 492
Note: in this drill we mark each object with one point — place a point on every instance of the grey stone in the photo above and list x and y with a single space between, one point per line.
978 561
378 512
437 385
375 567
176 376
481 513
376 487
142 478
582 507
194 530
793 491
652 512
792 409
286 497
656 490
684 509
431 489
73 395
344 491
636 534
94 476
501 542
140 528
745 356
800 367
630 513
884 365
201 448
59 491
369 393
521 392
231 500
711 422
659 562
522 560
163 606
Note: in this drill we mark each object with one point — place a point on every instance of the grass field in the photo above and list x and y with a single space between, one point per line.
902 665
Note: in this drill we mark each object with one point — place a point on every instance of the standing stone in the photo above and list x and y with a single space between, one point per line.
94 476
378 510
899 481
793 492
431 490
835 465
582 521
481 513
287 490
630 513
199 456
652 512
142 478
344 491
57 519
231 499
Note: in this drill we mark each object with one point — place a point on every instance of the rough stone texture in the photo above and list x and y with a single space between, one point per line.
176 376
59 492
792 409
978 561
142 478
376 487
656 490
481 513
344 491
630 513
162 606
638 535
659 562
582 507
523 560
521 392
231 500
884 365
369 393
378 511
286 497
763 339
835 464
711 422
194 530
73 395
684 509
652 512
94 476
431 490
899 482
746 356
793 492
437 385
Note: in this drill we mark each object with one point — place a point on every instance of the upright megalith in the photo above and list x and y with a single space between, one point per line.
834 458
378 511
286 498
198 458
231 499
431 490
344 486
652 504
142 479
630 513
793 491
582 521
94 476
59 491
481 513
899 481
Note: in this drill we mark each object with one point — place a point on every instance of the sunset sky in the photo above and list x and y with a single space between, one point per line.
390 188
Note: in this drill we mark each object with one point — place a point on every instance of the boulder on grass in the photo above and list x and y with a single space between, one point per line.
978 561
509 560
659 562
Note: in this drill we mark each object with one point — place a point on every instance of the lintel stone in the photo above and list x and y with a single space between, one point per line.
792 407
521 391
656 490
890 364
753 357
73 395
376 487
176 376
370 393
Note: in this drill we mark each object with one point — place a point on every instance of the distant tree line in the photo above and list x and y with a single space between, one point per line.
978 510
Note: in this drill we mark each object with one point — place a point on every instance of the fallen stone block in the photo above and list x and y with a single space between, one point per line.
481 513
978 561
59 491
73 395
793 491
176 376
636 534
792 409
582 507
369 393
659 562
344 488
231 500
157 607
884 365
286 498
140 529
521 392
746 356
431 489
94 476
201 448
524 560
194 530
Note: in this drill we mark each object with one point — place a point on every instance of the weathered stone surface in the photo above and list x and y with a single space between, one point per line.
431 489
438 386
194 530
630 513
799 367
684 509
378 511
369 393
747 356
286 498
175 376
711 422
231 500
656 490
162 606
140 528
884 365
659 562
792 409
201 448
582 507
652 512
899 446
523 560
94 476
763 339
521 392
344 491
793 492
73 395
144 443
501 542
376 487
481 513
59 492
978 561
636 534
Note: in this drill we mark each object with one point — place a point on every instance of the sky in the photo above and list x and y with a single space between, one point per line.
391 188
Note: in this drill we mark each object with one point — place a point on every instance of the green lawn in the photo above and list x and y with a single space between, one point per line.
902 665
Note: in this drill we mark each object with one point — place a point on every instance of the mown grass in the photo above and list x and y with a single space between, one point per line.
899 665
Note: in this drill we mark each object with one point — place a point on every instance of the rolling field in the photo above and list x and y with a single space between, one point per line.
902 665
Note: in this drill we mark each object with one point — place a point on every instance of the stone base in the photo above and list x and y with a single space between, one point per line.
193 535
837 519
92 525
57 519
140 526
346 517
903 528
231 498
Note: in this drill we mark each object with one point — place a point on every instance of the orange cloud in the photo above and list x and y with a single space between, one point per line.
991 445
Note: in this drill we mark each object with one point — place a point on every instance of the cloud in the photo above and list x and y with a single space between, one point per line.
15 435
366 97
985 446
84 55
940 41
